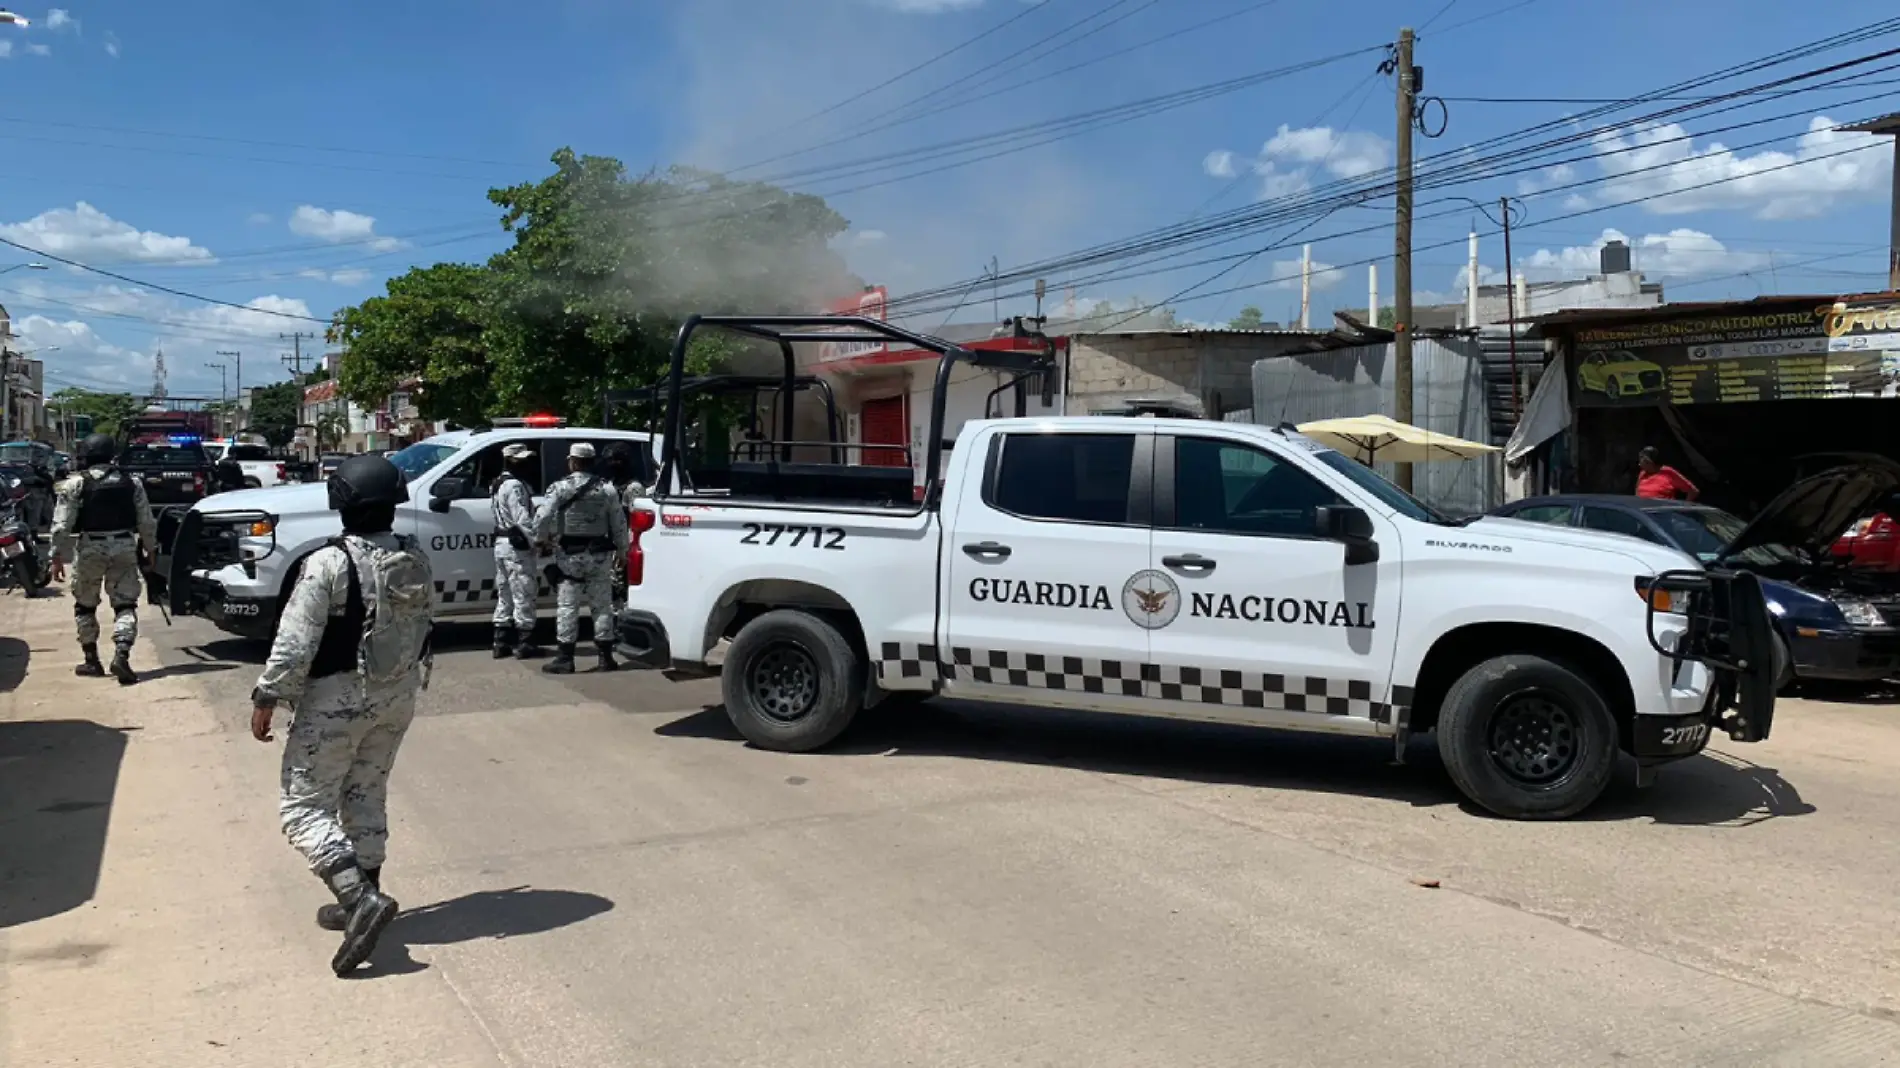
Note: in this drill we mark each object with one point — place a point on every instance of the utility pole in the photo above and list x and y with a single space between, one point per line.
1510 306
996 270
1408 76
1372 295
296 358
1889 126
1306 287
239 357
1471 284
224 400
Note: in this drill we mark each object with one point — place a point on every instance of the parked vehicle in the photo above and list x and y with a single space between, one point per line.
1831 621
24 562
328 462
230 557
1186 569
1872 543
173 471
260 465
34 468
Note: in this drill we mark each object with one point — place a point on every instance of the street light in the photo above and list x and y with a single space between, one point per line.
25 266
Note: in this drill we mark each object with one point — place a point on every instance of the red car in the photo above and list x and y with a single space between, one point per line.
1872 544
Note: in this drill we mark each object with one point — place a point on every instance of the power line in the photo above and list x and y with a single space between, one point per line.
43 254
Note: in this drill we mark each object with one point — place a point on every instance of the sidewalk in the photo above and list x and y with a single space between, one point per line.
144 882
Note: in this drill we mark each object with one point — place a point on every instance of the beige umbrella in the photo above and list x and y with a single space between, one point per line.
1367 438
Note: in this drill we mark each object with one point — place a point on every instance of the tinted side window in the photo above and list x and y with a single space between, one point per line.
1077 477
479 471
1230 488
1617 521
1557 515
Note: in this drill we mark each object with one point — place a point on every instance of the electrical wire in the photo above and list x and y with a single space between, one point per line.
45 255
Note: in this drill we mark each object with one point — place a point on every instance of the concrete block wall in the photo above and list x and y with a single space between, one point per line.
1200 369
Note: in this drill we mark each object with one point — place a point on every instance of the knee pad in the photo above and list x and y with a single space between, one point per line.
84 611
127 606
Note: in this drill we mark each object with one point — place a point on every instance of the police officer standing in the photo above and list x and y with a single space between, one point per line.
103 523
350 655
584 517
516 565
621 469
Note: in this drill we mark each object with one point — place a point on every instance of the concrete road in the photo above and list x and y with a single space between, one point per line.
596 872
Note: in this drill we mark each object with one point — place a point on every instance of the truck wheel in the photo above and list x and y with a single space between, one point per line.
1527 738
792 683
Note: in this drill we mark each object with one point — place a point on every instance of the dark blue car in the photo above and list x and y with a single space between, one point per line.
1833 624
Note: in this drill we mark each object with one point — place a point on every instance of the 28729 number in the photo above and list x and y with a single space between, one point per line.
772 533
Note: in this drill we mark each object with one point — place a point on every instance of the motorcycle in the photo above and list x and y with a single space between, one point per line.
21 558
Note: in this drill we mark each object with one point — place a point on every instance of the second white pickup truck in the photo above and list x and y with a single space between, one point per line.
1196 570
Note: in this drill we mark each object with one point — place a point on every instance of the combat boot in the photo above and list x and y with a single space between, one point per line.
563 662
504 640
90 668
525 649
334 917
367 911
122 664
607 662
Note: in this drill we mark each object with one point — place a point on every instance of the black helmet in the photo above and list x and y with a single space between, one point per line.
366 478
618 459
97 449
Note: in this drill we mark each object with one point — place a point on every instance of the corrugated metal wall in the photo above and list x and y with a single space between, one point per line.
1449 397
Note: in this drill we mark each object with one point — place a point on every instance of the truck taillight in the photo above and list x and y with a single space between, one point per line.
198 483
639 521
282 473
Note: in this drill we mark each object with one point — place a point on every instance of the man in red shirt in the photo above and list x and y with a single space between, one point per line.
1659 481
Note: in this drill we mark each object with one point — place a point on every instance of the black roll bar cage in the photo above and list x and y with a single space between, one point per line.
782 409
788 330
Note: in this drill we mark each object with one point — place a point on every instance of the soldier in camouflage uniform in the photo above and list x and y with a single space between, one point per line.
347 722
103 523
620 468
517 565
584 517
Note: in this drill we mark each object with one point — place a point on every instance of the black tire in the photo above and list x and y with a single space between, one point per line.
792 683
1527 738
1784 677
29 582
250 482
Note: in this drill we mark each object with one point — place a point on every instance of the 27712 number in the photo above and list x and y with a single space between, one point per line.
771 533
1694 734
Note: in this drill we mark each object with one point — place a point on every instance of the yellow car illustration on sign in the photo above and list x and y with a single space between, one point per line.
1619 374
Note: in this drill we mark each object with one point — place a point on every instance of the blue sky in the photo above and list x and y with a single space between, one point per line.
290 158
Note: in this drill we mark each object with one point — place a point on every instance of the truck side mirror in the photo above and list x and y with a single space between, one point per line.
1349 526
444 492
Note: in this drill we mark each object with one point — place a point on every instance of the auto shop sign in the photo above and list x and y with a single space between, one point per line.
870 304
1759 352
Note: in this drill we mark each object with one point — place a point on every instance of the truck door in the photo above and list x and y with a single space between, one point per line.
1044 559
1273 624
460 541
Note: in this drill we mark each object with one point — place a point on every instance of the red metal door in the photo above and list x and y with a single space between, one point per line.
885 421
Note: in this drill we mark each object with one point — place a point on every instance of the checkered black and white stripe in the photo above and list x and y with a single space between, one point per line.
477 591
1124 678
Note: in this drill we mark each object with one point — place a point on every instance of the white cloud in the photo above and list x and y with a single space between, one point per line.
112 46
349 276
1804 186
259 218
868 237
1681 253
339 227
40 49
1288 161
1286 275
85 233
6 48
61 19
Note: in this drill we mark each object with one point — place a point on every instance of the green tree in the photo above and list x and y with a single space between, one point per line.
1250 318
275 411
107 410
431 326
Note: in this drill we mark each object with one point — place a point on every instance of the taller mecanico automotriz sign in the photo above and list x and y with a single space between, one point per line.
1761 351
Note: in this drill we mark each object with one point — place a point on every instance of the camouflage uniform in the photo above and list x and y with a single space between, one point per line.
344 735
583 511
108 558
517 570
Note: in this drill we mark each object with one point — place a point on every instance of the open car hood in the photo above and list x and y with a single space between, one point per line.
1814 511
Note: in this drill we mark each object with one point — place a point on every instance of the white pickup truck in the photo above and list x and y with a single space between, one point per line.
230 557
1196 570
262 469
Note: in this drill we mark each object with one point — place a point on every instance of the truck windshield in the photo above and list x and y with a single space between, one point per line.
1372 482
420 457
20 453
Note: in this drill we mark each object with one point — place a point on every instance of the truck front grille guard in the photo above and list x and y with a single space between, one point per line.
1728 629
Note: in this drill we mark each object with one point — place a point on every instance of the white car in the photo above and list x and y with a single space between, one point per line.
230 556
1204 571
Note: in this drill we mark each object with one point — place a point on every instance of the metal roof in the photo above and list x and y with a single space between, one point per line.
1665 311
1204 331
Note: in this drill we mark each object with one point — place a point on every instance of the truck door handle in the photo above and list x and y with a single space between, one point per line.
1193 562
988 550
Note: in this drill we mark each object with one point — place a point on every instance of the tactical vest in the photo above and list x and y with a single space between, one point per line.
386 643
584 519
107 504
514 535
